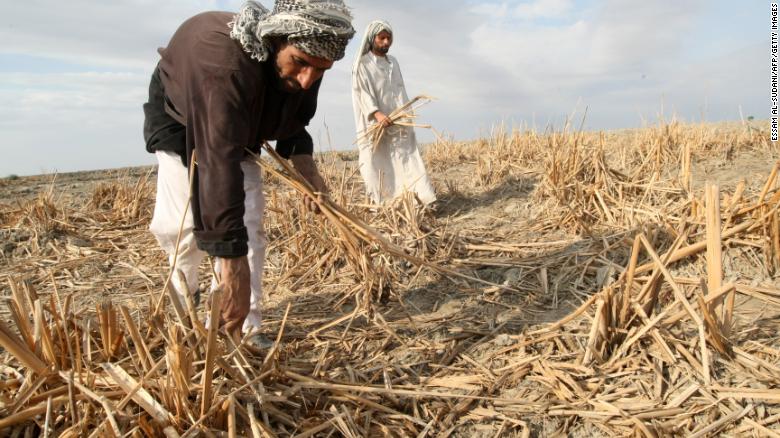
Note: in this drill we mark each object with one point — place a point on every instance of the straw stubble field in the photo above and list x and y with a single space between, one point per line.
568 283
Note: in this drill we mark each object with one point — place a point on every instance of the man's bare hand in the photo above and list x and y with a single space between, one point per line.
382 119
236 292
308 169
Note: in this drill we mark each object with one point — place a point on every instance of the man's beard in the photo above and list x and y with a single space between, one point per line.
290 84
382 50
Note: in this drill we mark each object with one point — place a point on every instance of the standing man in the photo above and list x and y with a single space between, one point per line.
377 90
227 82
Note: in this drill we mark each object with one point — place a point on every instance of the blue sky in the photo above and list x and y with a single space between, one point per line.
73 75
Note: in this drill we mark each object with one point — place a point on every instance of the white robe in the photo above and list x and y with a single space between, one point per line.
396 165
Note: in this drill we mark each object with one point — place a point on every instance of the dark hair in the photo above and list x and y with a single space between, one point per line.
276 42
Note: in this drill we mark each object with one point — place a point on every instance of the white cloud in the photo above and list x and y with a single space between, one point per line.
542 9
67 96
524 10
621 49
70 121
123 34
615 39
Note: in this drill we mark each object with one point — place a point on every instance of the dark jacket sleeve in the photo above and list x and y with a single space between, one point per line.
299 144
218 130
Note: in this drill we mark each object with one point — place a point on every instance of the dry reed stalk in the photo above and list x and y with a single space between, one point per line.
716 336
142 351
769 182
16 347
231 417
129 395
30 413
43 336
143 398
211 351
715 256
591 345
686 167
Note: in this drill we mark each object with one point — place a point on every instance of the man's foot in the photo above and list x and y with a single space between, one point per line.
258 341
433 208
196 298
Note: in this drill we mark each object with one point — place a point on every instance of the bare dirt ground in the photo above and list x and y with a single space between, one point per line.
503 217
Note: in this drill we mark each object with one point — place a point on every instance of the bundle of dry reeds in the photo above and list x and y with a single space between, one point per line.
404 115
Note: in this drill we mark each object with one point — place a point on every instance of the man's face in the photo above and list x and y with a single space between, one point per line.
298 71
382 42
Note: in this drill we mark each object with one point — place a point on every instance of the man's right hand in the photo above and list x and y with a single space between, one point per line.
382 119
236 293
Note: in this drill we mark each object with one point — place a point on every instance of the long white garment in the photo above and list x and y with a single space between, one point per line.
396 165
171 202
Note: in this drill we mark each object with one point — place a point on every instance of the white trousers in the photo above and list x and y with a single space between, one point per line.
172 195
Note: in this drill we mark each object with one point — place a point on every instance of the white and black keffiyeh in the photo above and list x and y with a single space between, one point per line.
320 28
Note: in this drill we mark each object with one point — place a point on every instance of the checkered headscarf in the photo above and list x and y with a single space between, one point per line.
320 28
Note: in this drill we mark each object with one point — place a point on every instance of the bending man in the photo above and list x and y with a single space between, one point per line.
227 82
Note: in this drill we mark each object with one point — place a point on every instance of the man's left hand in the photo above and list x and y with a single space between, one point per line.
308 169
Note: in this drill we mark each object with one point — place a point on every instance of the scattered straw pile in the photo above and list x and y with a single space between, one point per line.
569 283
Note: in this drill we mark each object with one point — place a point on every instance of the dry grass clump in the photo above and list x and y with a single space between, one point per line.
31 224
40 215
627 302
122 202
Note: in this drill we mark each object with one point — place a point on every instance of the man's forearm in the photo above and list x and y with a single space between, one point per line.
236 288
308 169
